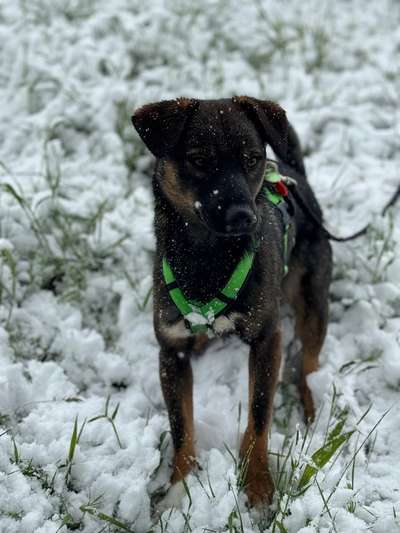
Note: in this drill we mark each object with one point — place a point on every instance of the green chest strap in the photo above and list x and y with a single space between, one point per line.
199 317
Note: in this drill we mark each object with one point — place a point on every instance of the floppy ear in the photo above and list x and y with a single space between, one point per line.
270 120
161 124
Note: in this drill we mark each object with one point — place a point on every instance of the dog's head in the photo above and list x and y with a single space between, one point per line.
214 154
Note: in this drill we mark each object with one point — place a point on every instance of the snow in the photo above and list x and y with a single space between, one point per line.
76 248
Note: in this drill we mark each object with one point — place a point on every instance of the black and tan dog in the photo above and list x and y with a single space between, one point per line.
210 211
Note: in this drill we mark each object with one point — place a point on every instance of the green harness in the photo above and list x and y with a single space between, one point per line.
200 317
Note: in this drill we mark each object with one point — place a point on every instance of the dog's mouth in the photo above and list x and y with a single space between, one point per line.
230 229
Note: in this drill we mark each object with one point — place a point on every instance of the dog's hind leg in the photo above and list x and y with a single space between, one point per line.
307 289
177 386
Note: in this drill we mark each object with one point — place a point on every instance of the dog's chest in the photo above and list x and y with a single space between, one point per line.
222 325
201 274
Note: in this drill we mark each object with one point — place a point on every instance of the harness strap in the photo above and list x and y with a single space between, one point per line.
200 316
277 193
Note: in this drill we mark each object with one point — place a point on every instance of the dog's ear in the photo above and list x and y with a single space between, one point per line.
270 120
161 124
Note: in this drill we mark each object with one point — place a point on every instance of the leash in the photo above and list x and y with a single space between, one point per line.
200 317
392 201
291 183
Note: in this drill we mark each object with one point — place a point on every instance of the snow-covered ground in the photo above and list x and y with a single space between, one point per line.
76 244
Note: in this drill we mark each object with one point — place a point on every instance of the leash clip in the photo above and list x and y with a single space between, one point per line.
289 182
272 175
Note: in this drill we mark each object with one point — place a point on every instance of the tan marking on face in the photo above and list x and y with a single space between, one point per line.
181 198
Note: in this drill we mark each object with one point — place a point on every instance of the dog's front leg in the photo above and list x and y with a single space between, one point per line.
264 363
177 386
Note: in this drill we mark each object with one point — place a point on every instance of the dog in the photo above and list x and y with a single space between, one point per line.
214 220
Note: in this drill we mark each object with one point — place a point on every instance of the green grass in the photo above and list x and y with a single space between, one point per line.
66 252
109 417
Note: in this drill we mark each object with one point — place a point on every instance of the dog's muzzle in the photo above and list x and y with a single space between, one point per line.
240 220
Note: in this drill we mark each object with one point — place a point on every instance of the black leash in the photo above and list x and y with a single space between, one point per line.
292 185
299 199
392 201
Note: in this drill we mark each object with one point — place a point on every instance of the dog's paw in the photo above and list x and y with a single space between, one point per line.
172 498
259 488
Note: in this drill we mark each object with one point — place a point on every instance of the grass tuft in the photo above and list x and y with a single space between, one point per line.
110 418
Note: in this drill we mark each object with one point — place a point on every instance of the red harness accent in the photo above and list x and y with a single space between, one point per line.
281 188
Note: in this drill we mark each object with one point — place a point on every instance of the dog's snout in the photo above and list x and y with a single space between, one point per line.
240 219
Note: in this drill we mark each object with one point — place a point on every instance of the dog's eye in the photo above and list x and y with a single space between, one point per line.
251 161
198 161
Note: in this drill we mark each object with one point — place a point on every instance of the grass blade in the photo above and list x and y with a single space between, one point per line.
74 441
326 452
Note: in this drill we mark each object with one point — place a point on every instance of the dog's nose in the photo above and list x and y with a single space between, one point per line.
240 219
